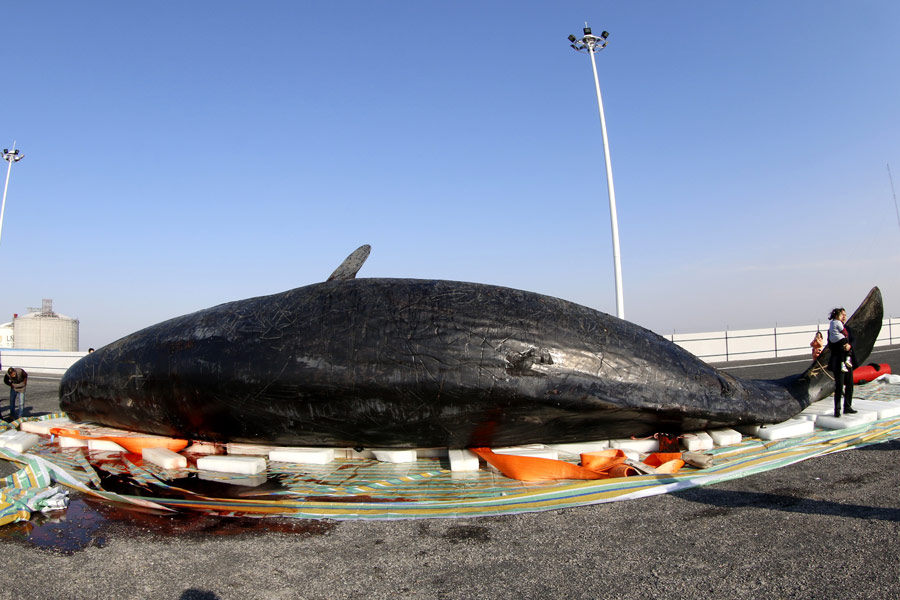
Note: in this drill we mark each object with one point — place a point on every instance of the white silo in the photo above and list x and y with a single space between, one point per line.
6 335
43 329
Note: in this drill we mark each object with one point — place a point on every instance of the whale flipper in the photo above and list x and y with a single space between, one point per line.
352 264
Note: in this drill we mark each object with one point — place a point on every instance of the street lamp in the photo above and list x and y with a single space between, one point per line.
591 44
10 156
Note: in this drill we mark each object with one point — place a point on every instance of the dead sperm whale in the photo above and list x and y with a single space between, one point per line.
420 363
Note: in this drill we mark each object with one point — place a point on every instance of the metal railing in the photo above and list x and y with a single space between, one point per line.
725 346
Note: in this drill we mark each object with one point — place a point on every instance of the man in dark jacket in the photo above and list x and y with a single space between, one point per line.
842 361
16 379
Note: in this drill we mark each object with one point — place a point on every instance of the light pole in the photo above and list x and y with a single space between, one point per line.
10 156
590 44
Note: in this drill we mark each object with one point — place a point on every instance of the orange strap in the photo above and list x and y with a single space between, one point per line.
529 468
594 465
133 444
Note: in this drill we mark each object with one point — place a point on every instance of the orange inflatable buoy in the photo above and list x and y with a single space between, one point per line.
594 465
869 372
134 444
528 468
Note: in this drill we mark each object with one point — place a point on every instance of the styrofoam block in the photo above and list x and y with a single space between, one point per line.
246 465
313 456
580 447
725 436
250 449
8 435
104 446
22 442
817 409
463 460
884 410
787 429
748 429
533 450
648 445
845 421
70 442
164 457
44 427
697 441
394 456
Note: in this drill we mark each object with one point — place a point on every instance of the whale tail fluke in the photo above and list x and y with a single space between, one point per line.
817 382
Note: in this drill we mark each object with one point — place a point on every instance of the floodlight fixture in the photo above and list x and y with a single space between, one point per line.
11 157
14 156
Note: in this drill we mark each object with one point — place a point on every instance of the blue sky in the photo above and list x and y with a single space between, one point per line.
180 155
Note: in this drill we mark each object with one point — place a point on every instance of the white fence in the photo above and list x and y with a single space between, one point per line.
39 362
777 342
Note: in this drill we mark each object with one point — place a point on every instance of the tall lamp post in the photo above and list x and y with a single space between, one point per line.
591 44
10 156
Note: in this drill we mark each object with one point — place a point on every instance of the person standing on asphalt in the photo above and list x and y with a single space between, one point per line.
842 361
16 379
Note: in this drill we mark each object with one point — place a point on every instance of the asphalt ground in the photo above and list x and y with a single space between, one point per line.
823 528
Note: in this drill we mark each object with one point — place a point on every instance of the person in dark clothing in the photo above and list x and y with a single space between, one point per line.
842 361
16 379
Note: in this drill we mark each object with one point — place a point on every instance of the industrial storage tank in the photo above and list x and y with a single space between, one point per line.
45 330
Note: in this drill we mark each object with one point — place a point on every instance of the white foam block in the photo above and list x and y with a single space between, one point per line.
22 442
845 421
7 436
648 445
822 408
534 451
245 465
697 441
164 457
310 456
251 449
725 436
463 460
104 446
394 456
44 427
580 447
748 429
70 442
884 410
787 429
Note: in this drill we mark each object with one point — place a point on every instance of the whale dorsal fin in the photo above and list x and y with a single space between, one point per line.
352 264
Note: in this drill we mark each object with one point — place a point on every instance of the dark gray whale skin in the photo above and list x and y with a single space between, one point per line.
420 363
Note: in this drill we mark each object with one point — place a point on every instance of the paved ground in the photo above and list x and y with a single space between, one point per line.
824 528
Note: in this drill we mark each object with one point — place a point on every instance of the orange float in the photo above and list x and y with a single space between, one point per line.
867 373
605 464
134 444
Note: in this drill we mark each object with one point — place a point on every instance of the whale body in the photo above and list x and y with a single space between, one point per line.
421 363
